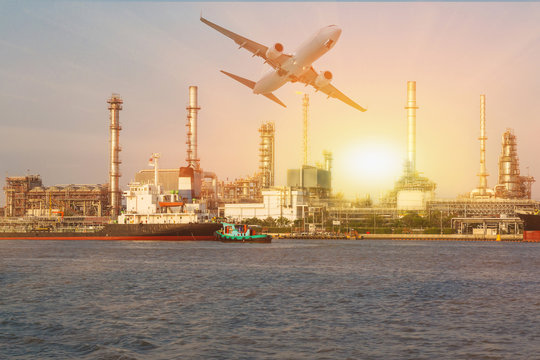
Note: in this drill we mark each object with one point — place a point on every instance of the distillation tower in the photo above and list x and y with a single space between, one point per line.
511 185
115 105
267 154
193 110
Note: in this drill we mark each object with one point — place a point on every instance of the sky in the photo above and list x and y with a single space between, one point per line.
61 60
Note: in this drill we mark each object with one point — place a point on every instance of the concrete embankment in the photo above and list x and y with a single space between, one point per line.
449 237
430 237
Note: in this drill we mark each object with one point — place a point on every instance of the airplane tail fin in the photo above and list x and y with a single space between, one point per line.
251 84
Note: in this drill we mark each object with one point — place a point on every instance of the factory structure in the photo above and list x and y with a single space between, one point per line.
26 195
484 210
412 191
190 194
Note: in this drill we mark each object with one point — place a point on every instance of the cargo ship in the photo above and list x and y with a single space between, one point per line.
149 215
531 226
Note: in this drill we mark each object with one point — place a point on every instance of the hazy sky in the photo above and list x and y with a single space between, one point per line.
60 61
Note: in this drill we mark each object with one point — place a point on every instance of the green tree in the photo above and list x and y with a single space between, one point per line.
269 222
282 221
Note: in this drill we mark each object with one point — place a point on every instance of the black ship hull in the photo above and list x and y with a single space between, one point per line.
164 232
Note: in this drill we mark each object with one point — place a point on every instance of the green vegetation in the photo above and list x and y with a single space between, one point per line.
411 222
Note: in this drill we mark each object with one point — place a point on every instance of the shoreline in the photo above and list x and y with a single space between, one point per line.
406 237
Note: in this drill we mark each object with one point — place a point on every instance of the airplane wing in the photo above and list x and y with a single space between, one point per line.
255 48
309 77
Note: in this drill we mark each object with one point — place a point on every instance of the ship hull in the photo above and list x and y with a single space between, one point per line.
531 227
531 236
141 232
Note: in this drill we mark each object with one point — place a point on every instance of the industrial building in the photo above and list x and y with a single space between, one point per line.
315 181
168 178
249 189
282 202
242 190
26 196
16 191
195 184
511 185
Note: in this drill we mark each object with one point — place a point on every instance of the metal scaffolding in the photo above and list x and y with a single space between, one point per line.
511 185
267 154
26 196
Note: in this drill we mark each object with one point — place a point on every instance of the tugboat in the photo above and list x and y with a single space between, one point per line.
242 234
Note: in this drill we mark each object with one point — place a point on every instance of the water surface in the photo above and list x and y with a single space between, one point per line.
297 299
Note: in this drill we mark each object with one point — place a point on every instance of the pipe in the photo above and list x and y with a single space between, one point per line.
115 105
411 124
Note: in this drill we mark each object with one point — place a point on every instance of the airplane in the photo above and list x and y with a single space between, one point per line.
294 68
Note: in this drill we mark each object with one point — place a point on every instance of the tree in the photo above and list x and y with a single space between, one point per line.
253 221
269 222
282 221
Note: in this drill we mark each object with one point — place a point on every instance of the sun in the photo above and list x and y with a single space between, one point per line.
374 162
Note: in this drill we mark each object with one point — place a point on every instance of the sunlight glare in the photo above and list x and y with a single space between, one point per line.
375 162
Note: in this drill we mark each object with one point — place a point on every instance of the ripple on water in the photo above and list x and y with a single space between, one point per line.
289 299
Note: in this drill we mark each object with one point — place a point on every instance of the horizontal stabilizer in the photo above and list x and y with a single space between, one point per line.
274 98
250 84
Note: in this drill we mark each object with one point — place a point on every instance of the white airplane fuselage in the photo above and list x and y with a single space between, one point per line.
300 62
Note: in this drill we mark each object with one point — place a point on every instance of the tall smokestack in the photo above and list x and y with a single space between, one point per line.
115 105
193 110
482 184
411 124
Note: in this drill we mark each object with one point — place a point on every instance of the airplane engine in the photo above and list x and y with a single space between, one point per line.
275 51
323 79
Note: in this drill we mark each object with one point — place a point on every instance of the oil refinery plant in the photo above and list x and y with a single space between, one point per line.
190 194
